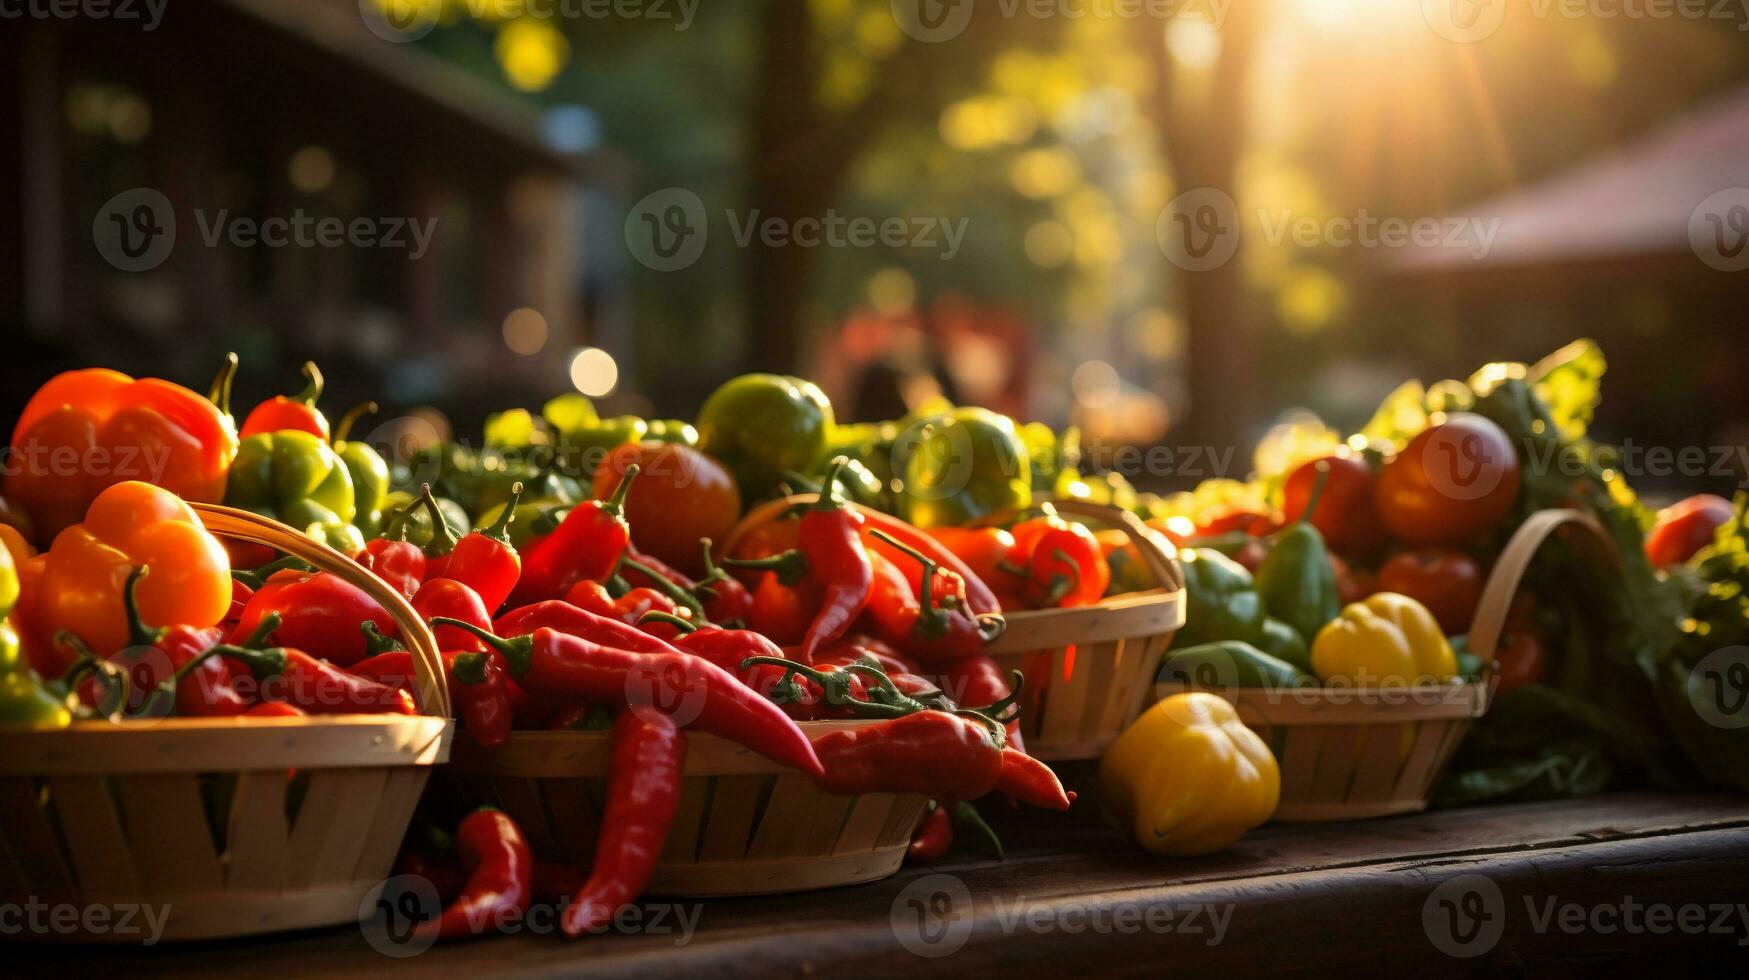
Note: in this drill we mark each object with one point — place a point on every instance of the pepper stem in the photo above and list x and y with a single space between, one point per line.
220 392
499 530
829 485
264 628
139 634
375 641
931 618
313 390
1323 470
967 815
443 539
615 504
516 651
790 565
662 584
658 616
351 418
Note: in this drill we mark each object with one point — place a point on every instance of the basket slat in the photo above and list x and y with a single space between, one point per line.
168 833
338 804
96 841
862 829
682 844
258 831
729 828
570 806
1379 764
32 841
789 809
382 839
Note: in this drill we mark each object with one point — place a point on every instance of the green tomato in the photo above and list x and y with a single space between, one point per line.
765 425
963 465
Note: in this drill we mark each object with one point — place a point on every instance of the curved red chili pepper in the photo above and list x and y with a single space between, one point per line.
946 628
451 599
1030 781
831 544
500 877
977 682
556 614
643 792
929 752
982 600
486 561
780 611
1066 568
587 544
934 836
315 685
708 698
726 600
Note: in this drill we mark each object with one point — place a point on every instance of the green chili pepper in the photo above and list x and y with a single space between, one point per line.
671 430
540 497
582 450
1221 602
762 426
1297 581
295 478
1230 663
418 520
962 465
370 475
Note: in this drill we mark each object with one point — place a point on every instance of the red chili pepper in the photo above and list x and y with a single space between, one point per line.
978 682
946 628
643 792
780 611
241 593
571 668
297 412
556 614
628 608
892 602
314 685
318 611
554 883
728 649
1064 563
393 558
486 561
929 752
580 718
985 550
275 709
1028 780
587 544
500 877
934 836
450 599
444 873
981 599
726 600
829 548
480 691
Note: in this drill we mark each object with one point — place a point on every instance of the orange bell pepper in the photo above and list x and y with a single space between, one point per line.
87 430
84 574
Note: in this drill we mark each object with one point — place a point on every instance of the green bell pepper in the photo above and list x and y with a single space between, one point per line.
1228 664
1296 580
295 478
370 475
1283 642
1221 601
24 699
762 426
418 519
962 465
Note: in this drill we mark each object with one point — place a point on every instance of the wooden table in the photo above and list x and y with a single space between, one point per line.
1633 878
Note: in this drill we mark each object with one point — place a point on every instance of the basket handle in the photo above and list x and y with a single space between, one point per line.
1502 584
427 663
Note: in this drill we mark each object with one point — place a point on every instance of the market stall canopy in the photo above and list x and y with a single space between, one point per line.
1634 203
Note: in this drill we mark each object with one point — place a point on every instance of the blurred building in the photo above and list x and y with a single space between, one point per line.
455 207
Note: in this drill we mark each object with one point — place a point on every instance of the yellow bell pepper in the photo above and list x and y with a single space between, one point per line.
1189 776
1386 638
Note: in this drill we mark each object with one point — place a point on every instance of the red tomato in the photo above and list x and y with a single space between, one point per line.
1685 527
1521 657
1447 582
680 495
1451 484
1345 514
1227 521
1352 584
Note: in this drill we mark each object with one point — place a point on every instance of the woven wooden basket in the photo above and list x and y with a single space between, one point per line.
1352 753
1089 671
745 826
232 827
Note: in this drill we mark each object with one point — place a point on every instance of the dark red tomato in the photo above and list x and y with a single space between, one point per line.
1685 527
1345 514
680 495
1227 521
1522 658
1352 584
1447 582
1451 484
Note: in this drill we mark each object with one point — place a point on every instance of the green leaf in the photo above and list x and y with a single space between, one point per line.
1570 383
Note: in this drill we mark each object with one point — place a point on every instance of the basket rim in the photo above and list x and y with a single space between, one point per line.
131 748
587 754
1130 614
1349 705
